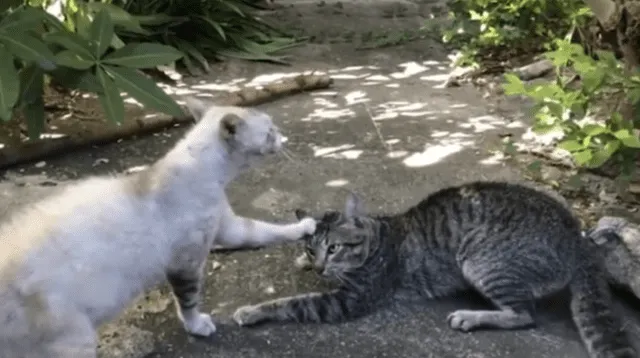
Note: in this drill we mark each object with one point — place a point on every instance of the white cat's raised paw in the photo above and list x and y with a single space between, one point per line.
308 226
200 325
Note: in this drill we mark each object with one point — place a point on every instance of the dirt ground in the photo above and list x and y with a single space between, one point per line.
387 129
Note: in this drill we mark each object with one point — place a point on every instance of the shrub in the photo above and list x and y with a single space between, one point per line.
588 111
35 45
205 29
484 27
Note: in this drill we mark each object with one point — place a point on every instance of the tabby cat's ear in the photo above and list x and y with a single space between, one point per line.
197 107
354 206
229 125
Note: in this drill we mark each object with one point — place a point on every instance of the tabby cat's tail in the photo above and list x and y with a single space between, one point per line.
591 306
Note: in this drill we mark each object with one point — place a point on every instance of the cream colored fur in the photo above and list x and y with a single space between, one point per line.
77 259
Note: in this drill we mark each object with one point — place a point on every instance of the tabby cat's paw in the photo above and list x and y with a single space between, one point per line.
463 320
200 325
247 315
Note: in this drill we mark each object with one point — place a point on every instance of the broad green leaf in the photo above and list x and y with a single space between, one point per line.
142 55
101 32
27 47
116 42
612 146
157 19
34 114
31 85
631 141
144 90
71 59
594 129
514 85
110 98
119 17
83 24
598 158
21 19
571 145
582 157
72 42
9 85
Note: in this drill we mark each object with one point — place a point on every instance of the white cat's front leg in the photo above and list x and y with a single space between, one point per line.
239 232
186 286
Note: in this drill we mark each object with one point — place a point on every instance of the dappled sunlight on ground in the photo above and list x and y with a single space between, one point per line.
401 114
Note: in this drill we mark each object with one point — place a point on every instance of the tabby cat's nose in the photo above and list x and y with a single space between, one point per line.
319 269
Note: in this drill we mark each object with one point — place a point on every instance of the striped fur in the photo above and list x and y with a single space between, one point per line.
511 243
619 242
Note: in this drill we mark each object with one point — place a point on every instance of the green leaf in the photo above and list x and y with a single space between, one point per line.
71 59
101 33
27 47
612 146
594 129
215 25
598 158
110 97
631 141
31 85
70 41
514 85
193 52
35 116
143 55
9 85
118 16
144 90
582 157
21 19
622 133
116 42
571 145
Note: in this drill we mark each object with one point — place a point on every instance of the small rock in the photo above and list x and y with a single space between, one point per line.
215 265
270 290
100 161
40 164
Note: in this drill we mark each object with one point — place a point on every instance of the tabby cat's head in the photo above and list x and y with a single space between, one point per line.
342 242
245 132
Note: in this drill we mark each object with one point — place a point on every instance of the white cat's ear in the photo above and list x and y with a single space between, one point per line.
354 206
229 125
197 106
301 214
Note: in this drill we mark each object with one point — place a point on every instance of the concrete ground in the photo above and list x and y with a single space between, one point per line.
386 130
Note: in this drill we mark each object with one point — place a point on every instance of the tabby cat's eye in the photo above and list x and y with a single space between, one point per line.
332 249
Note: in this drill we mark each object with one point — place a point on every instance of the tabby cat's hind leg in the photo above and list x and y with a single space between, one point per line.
507 290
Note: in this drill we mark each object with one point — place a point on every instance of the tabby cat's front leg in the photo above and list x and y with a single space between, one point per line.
329 307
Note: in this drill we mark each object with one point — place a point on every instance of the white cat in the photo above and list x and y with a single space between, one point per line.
77 259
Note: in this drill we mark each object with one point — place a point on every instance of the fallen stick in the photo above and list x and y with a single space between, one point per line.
36 150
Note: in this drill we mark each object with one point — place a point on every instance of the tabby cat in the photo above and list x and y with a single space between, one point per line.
75 260
511 243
